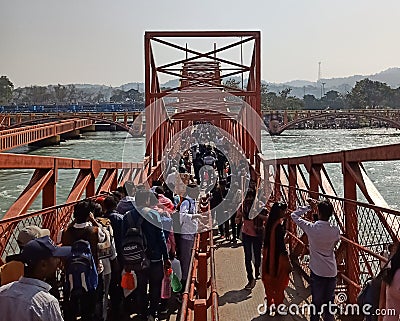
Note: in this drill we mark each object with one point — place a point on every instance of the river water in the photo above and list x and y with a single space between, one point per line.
110 145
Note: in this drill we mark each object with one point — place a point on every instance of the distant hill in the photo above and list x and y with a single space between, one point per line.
139 86
389 76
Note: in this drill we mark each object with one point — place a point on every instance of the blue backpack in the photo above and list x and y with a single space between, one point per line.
80 269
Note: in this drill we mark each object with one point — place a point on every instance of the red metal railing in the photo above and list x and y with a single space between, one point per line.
366 256
201 290
44 182
54 218
367 228
11 138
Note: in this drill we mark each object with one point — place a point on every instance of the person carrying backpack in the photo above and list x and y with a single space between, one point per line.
142 230
108 256
83 269
189 225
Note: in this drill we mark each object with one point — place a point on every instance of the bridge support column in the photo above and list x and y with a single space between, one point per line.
73 134
91 128
54 140
49 199
138 125
273 127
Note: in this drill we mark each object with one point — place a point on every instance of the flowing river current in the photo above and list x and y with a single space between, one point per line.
110 145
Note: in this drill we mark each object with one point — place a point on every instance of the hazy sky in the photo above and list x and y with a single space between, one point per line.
101 41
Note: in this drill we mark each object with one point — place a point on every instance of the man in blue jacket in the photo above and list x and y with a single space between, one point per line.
156 252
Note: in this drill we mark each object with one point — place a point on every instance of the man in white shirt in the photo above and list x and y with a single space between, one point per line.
322 238
29 299
189 225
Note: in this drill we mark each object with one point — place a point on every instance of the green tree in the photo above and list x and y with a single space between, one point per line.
284 94
72 94
120 96
332 99
38 95
310 102
368 93
272 100
285 101
60 94
6 90
264 97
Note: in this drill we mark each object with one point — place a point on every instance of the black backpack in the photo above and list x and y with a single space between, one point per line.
370 294
134 246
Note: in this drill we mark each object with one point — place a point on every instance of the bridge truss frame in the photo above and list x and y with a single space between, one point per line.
163 127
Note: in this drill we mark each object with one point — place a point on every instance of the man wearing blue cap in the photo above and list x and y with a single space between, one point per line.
29 299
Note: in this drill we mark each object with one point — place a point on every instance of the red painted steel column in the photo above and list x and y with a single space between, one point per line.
277 186
156 139
314 183
49 191
126 119
114 183
147 88
91 186
285 117
351 226
292 202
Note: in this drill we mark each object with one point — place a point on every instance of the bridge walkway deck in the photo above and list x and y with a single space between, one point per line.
239 304
235 302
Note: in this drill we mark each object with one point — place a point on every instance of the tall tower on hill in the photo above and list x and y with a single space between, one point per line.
319 73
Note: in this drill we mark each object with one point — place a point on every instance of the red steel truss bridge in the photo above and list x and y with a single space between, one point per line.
213 290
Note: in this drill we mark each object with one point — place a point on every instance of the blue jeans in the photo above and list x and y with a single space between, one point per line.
251 244
323 292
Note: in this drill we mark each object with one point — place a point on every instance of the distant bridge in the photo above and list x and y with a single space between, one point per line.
48 133
282 120
14 120
81 107
47 128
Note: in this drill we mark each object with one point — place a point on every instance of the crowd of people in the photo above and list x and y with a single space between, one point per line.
115 257
101 229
